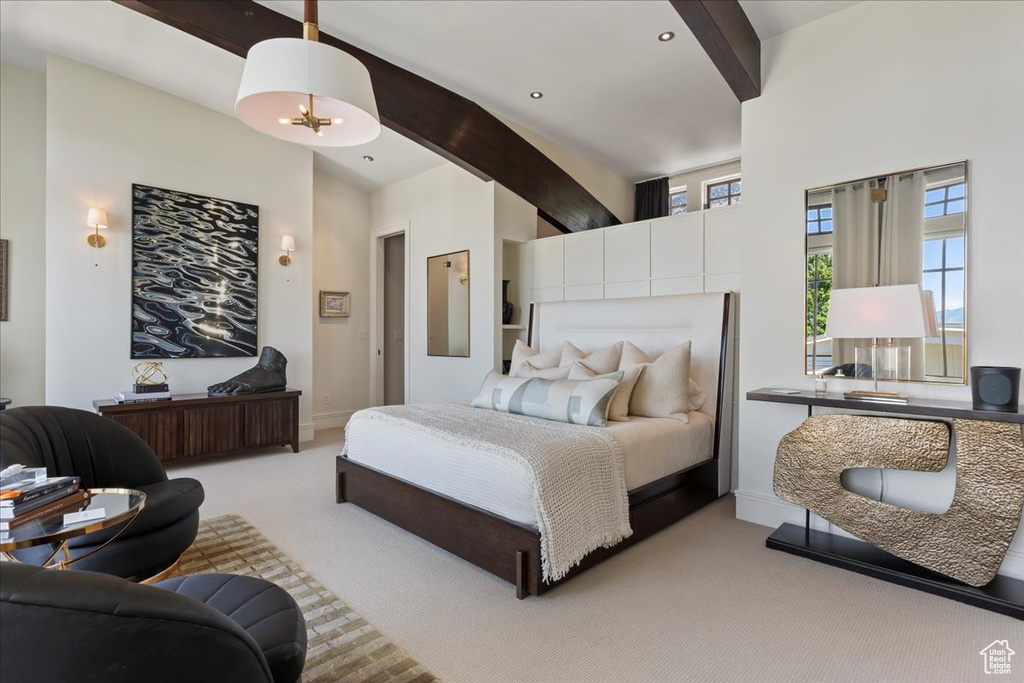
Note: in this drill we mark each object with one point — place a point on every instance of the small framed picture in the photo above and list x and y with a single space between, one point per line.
334 304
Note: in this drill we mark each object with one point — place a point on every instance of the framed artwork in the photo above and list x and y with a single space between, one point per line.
194 275
334 304
5 269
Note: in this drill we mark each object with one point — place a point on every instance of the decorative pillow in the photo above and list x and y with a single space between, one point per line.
599 362
618 410
663 387
522 353
527 370
583 402
631 355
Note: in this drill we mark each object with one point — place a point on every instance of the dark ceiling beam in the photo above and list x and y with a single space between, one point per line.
445 122
725 33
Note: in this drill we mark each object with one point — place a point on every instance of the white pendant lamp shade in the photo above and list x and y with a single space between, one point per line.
281 73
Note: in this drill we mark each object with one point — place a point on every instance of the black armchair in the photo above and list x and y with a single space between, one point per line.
92 628
106 454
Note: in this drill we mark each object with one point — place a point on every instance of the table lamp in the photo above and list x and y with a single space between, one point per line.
879 313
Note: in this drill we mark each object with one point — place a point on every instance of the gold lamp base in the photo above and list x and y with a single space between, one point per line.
97 241
284 259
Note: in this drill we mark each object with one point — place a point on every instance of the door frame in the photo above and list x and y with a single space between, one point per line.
377 237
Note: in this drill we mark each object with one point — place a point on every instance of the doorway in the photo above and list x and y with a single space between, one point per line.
389 307
394 320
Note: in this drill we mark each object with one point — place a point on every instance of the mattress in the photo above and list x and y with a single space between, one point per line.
653 447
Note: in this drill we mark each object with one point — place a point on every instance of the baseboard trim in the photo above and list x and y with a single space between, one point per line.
767 510
332 420
306 432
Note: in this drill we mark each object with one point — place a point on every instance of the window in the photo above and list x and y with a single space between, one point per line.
944 277
723 193
819 291
819 220
677 200
944 201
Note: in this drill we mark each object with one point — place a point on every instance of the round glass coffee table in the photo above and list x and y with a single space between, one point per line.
120 506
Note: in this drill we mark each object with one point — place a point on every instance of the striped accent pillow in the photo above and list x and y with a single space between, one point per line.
582 402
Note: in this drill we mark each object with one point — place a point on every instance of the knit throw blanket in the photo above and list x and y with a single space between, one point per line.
579 480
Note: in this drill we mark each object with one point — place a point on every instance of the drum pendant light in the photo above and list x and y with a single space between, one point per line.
300 90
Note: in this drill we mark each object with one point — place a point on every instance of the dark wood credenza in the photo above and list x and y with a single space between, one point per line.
197 425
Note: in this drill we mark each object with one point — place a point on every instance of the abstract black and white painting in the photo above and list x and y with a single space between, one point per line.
194 275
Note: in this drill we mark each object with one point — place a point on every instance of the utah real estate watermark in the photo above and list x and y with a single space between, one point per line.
997 657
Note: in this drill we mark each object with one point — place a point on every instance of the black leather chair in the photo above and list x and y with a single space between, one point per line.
87 627
106 454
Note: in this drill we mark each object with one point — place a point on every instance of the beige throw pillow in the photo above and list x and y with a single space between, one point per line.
523 354
663 387
599 362
618 410
631 354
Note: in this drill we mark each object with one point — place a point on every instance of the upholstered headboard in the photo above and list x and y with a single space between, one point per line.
656 325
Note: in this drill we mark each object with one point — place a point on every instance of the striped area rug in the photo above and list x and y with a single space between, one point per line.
342 645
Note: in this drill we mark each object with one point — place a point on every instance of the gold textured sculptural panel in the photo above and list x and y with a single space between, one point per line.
967 542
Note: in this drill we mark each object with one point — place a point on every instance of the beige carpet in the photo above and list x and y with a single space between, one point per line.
701 601
341 645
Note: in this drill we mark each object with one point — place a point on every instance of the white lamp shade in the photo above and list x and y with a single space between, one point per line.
97 218
287 243
281 73
862 312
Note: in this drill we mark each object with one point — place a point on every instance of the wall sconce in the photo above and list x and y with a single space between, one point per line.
97 220
287 246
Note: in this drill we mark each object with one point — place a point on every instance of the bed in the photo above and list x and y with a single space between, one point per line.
480 508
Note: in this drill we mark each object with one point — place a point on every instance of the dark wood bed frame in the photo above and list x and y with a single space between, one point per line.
511 550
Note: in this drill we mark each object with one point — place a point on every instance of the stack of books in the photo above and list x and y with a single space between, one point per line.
144 393
25 501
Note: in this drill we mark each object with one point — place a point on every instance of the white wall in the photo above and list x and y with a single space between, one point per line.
909 84
104 133
341 241
22 223
616 192
448 210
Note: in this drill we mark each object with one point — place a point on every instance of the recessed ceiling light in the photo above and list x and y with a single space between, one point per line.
367 157
536 94
666 36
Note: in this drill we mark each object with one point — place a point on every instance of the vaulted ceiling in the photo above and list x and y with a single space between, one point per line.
612 91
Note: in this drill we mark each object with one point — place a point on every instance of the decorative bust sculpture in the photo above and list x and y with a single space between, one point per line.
267 375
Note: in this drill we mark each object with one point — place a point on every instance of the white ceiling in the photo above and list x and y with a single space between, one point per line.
772 17
122 41
612 92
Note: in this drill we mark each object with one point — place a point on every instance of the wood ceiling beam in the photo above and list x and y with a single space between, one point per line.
725 33
445 122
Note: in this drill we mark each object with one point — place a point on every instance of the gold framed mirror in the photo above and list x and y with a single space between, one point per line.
902 228
448 304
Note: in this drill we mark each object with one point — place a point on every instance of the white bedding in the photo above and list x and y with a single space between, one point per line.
653 447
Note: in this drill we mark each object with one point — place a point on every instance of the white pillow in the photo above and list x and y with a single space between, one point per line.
582 402
527 370
599 362
663 387
631 355
522 353
618 409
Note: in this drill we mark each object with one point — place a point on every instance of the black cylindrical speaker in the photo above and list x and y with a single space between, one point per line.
995 388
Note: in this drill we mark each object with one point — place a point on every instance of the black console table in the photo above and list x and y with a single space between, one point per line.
1003 594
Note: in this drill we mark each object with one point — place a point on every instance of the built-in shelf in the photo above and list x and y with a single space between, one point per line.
513 327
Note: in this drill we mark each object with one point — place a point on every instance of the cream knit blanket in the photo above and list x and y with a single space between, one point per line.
579 480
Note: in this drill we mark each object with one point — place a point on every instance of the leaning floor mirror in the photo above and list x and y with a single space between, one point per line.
905 228
448 305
